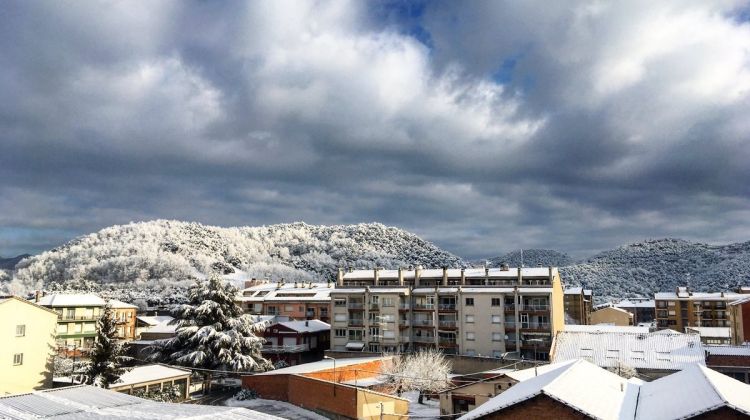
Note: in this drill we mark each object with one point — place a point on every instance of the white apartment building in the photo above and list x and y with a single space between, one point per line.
475 312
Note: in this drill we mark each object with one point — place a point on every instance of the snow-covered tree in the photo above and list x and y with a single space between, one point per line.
424 371
108 361
213 333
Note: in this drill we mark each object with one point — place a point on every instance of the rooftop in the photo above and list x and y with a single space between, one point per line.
66 300
727 350
729 296
581 385
324 364
148 373
451 272
89 402
313 325
636 304
715 332
666 349
606 328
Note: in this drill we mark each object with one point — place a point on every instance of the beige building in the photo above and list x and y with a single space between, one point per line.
473 312
28 338
685 308
77 315
153 378
613 316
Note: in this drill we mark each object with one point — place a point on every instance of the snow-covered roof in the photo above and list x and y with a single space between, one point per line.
606 328
613 308
313 325
638 304
574 291
714 332
348 290
63 300
118 304
163 327
149 373
692 391
727 350
727 296
741 301
580 385
663 350
376 290
286 293
324 364
89 402
451 272
9 298
524 374
154 320
487 289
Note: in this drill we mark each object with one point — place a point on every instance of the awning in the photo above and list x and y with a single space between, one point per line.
355 345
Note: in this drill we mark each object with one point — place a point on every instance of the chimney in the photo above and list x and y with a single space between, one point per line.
376 272
445 276
307 323
417 275
486 274
520 277
340 277
463 277
504 267
400 276
551 276
36 296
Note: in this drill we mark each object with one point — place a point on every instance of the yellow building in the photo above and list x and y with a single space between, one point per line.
613 316
27 335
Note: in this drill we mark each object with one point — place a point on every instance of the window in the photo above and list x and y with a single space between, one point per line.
638 354
340 332
18 359
469 336
388 301
613 354
497 337
470 319
587 353
20 330
339 302
670 303
496 319
389 334
70 314
496 302
469 301
374 331
355 335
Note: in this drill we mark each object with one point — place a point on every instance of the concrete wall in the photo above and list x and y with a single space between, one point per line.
37 346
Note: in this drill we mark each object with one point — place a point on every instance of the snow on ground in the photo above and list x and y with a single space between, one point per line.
276 408
429 410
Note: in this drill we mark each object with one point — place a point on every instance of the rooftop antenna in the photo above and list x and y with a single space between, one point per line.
521 257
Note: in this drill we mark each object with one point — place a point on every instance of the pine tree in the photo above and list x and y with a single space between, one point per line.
213 333
107 356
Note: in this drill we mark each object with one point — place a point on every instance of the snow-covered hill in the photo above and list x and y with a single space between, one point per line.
173 253
661 265
533 258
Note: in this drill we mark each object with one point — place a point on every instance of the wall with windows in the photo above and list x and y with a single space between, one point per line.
27 334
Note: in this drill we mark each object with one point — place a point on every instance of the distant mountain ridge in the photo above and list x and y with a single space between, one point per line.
10 263
174 252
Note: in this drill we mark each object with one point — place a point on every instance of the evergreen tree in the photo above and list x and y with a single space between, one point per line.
213 333
107 356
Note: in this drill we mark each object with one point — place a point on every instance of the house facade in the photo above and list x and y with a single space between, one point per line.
473 312
685 308
296 342
739 321
578 303
28 340
296 300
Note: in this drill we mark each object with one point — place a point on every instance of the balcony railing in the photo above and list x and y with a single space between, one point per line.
404 338
291 348
447 306
447 324
510 308
356 322
447 342
534 307
374 307
404 306
403 322
535 325
355 306
77 318
423 306
423 323
424 339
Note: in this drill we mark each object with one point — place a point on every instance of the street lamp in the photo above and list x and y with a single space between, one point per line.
334 373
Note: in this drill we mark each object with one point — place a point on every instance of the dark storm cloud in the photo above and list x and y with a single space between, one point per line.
482 127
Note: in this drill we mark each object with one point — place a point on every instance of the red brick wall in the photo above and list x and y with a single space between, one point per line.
745 309
539 407
725 360
347 373
313 394
272 387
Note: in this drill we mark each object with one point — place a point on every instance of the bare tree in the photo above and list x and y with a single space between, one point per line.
425 371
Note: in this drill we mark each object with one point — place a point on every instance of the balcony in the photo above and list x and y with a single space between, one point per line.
356 322
292 348
424 339
535 307
447 342
447 324
403 323
424 323
404 338
355 306
77 318
535 325
536 344
447 307
510 326
510 308
404 307
374 307
424 306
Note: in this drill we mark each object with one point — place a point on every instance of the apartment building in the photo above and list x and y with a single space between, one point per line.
739 321
296 300
686 308
643 309
27 345
578 302
77 315
474 312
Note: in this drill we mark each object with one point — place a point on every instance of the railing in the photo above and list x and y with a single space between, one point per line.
356 322
77 318
403 322
510 308
290 348
374 307
510 325
534 307
538 343
447 306
423 323
355 306
447 342
535 325
404 338
424 339
447 324
404 306
429 306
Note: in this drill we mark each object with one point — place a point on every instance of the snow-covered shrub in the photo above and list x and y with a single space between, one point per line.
246 394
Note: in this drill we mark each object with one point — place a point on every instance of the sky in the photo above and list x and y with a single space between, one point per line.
482 126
